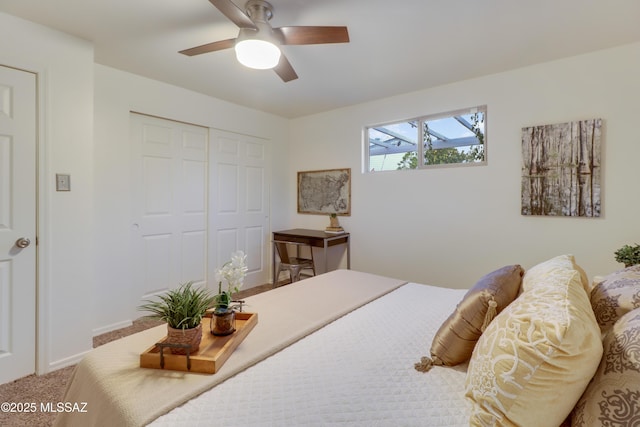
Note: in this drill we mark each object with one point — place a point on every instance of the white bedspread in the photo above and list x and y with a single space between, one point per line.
356 371
120 393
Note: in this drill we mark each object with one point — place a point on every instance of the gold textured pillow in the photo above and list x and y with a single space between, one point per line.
536 358
613 395
617 294
563 262
457 336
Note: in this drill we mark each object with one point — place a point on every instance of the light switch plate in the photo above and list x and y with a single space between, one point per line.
63 182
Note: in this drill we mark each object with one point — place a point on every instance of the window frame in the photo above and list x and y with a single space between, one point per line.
421 120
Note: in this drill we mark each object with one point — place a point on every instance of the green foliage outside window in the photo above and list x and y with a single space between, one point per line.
436 156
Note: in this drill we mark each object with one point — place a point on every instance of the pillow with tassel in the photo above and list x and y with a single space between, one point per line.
454 342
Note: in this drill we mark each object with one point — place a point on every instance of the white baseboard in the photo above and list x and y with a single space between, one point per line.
244 288
72 360
67 361
112 327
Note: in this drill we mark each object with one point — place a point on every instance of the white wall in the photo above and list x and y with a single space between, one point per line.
65 83
116 94
405 225
449 226
84 271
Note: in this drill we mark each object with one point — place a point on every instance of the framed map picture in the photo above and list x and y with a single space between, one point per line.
324 192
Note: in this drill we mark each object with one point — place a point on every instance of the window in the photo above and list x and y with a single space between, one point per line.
456 137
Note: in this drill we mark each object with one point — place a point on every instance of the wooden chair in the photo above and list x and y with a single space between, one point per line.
294 264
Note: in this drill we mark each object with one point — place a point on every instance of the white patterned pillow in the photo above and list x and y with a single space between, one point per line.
616 294
613 395
536 358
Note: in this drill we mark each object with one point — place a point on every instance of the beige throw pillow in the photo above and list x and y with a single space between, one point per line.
613 396
538 272
457 336
536 358
617 294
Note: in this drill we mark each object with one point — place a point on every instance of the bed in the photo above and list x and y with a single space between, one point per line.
361 334
357 370
341 349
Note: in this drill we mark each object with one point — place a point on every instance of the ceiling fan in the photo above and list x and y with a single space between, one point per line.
256 32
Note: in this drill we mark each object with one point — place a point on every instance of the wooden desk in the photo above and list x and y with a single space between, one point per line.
314 238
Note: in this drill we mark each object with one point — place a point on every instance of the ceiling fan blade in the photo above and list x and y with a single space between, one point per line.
209 47
234 13
285 70
312 35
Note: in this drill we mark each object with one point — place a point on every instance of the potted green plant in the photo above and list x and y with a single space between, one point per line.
333 220
233 272
183 309
628 255
334 224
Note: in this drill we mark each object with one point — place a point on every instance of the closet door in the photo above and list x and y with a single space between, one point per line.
239 203
169 225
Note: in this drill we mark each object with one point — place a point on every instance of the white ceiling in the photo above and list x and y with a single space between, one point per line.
396 46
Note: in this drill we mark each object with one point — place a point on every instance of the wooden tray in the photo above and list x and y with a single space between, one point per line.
213 352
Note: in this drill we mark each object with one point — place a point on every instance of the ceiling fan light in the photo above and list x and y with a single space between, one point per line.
258 54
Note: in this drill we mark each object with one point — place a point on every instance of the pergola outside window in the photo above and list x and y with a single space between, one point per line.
444 139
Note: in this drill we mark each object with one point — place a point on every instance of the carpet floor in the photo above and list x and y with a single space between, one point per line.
31 396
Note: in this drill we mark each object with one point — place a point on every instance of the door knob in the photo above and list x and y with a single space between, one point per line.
23 242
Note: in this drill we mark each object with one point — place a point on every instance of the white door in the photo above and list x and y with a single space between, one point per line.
239 203
169 238
17 223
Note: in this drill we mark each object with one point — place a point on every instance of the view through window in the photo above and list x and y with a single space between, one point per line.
456 137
